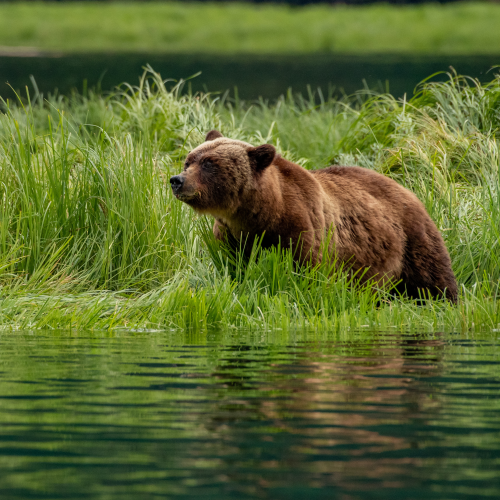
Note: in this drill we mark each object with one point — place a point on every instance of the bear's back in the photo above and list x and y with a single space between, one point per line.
361 187
357 180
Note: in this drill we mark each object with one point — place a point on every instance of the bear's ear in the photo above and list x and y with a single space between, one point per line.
212 135
261 156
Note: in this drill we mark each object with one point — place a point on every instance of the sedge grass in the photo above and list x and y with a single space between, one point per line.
91 237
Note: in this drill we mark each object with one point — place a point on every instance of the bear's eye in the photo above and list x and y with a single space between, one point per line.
207 165
186 165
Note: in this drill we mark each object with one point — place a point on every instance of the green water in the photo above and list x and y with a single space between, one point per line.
253 75
249 415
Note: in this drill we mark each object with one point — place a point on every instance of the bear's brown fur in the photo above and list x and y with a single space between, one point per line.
379 228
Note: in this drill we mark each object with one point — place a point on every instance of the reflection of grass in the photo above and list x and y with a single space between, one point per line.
90 236
235 28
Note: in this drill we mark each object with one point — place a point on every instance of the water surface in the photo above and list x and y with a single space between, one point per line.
249 415
253 75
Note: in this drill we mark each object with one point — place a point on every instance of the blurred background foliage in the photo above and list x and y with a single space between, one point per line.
235 27
289 2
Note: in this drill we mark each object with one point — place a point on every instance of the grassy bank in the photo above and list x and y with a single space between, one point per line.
460 28
91 237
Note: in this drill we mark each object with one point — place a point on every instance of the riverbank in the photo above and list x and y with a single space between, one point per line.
91 237
175 27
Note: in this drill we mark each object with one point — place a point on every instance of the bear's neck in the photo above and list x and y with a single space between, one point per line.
260 207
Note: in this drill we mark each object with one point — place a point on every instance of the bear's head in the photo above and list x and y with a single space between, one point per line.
218 172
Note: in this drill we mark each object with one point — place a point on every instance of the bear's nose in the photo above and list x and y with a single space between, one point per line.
176 182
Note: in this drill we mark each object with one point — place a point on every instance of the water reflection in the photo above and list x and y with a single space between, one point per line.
249 415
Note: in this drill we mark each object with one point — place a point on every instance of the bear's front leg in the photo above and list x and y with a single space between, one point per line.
223 235
220 231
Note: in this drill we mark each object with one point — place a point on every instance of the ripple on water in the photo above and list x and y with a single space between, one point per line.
235 416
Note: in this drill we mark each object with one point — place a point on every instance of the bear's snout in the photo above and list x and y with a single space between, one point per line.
177 181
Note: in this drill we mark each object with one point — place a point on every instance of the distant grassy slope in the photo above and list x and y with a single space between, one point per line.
463 28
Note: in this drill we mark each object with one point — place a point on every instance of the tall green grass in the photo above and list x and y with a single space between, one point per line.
91 237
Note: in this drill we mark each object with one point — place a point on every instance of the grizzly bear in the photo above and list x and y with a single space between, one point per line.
379 229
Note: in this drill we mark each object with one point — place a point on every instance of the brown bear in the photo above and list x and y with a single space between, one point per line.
380 229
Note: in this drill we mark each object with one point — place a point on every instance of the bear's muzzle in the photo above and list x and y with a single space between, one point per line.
183 190
177 181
